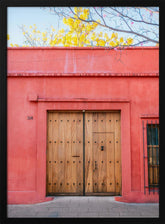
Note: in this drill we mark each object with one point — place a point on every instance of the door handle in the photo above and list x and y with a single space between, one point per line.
102 148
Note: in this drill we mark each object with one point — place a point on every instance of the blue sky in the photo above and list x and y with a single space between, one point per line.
28 16
43 19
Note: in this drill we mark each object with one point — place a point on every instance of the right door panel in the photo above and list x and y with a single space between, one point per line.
102 153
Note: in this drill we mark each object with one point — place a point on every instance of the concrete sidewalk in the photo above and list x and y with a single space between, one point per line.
73 206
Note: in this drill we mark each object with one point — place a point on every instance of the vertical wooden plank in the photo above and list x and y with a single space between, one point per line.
73 145
110 141
88 153
61 152
109 122
96 164
79 152
71 159
102 154
49 154
84 140
101 162
98 154
117 154
73 131
110 144
68 153
55 137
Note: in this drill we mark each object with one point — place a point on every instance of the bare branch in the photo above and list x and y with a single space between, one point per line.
135 20
139 43
117 30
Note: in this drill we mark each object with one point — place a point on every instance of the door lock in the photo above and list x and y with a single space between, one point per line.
102 148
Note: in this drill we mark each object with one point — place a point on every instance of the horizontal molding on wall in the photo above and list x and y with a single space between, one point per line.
35 98
149 116
37 74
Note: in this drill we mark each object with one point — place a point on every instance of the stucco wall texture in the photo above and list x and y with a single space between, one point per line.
42 79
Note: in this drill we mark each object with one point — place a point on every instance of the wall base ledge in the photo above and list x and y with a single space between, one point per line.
138 197
28 200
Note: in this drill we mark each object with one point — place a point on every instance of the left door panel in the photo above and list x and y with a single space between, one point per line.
64 153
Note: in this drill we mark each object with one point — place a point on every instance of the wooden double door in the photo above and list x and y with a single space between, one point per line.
83 153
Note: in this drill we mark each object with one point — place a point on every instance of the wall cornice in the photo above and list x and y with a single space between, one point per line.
25 74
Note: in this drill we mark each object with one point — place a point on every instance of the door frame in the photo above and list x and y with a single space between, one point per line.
45 104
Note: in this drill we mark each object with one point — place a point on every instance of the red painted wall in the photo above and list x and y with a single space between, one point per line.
40 79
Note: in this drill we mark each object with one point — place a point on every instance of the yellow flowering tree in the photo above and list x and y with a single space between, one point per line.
34 37
79 34
138 23
83 34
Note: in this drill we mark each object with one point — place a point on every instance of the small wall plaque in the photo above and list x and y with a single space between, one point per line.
29 117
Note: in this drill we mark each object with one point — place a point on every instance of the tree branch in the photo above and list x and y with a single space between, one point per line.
118 30
135 20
